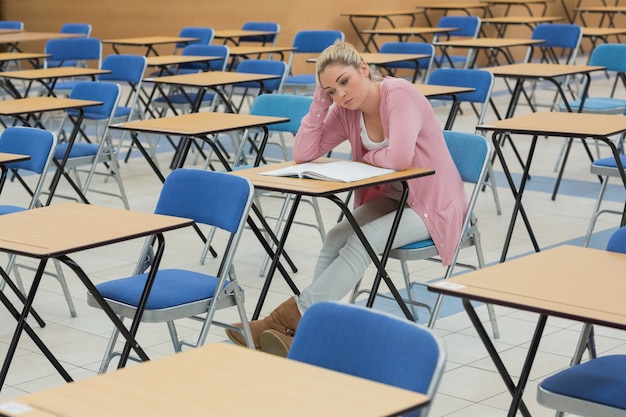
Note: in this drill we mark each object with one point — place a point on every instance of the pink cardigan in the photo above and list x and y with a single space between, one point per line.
415 139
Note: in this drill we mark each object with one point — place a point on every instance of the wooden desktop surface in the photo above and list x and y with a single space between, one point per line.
71 227
313 187
240 33
602 32
409 30
40 104
7 158
490 42
572 282
162 60
209 79
220 379
260 49
376 58
538 70
507 2
149 40
46 73
563 124
195 124
382 13
24 36
432 90
17 56
521 20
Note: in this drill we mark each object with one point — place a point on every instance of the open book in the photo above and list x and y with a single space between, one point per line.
340 171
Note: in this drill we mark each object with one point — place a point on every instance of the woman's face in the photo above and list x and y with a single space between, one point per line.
346 85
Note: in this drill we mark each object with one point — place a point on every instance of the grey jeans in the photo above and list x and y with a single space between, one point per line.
343 259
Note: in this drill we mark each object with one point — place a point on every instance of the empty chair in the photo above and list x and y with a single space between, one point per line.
471 154
71 52
11 24
40 145
482 82
77 29
308 42
261 26
204 36
370 344
468 27
423 66
95 152
209 198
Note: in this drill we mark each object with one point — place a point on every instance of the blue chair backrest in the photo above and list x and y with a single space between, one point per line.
38 143
262 26
480 80
282 105
107 93
11 24
206 50
610 55
74 49
208 197
124 67
369 344
315 41
468 26
558 35
469 153
617 241
204 35
409 48
77 28
265 66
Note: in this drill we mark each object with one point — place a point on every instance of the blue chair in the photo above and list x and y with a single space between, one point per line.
210 198
72 52
11 24
40 145
261 26
482 82
309 42
370 344
183 99
204 36
251 90
94 152
593 388
468 27
127 70
422 66
77 29
471 154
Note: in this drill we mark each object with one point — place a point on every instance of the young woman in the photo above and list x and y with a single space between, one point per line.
388 124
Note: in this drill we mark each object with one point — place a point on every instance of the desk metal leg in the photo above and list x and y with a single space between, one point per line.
517 193
516 391
380 262
22 326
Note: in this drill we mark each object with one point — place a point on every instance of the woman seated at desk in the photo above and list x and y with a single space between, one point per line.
388 124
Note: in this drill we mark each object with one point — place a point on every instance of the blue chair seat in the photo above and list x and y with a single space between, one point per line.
599 104
301 79
79 149
610 162
601 381
10 209
418 245
172 287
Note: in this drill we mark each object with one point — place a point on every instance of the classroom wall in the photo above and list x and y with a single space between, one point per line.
124 18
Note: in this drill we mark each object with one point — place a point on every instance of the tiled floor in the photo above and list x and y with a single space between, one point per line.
470 385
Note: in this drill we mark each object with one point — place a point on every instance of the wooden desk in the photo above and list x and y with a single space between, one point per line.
435 91
502 23
329 189
464 8
404 34
570 282
6 57
54 232
163 62
595 33
235 35
197 125
551 124
212 80
12 39
206 378
521 3
377 16
608 12
493 45
256 51
148 42
47 77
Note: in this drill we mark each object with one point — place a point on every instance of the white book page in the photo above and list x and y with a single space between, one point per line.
343 171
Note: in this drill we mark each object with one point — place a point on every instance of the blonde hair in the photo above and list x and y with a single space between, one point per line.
341 53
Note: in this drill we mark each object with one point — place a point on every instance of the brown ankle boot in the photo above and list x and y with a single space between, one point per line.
284 319
275 343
